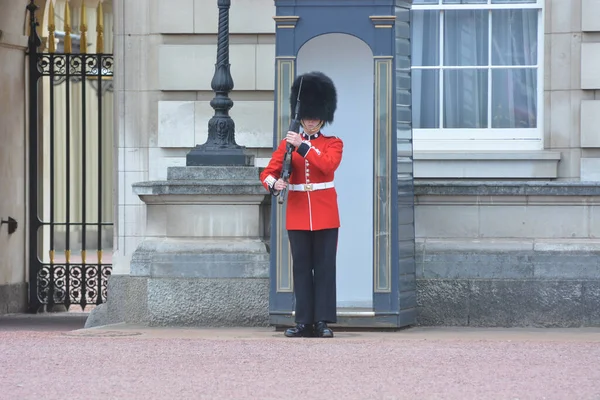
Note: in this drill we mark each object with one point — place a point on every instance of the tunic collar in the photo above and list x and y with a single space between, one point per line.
306 136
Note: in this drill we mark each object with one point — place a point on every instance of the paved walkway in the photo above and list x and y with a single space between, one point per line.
51 357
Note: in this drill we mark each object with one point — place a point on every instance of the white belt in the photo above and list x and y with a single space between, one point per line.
309 187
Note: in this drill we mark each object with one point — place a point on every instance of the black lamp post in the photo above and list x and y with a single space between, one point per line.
220 147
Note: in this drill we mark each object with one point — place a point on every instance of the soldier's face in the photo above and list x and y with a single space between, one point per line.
311 123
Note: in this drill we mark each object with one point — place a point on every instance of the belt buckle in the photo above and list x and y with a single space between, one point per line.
308 187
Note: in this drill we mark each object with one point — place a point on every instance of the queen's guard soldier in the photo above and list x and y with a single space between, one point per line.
312 217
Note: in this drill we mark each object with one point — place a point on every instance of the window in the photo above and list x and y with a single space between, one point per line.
477 74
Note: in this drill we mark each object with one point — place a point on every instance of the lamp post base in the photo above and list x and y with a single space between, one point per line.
203 155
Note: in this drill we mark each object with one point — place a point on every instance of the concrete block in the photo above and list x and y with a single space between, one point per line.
560 128
591 302
442 302
215 173
218 220
566 265
560 61
575 60
485 165
561 16
577 98
131 178
140 58
208 302
201 258
590 123
265 67
136 13
132 243
127 302
243 66
533 221
98 317
590 64
162 159
175 16
461 264
253 122
174 72
13 298
590 169
174 61
595 221
569 166
590 9
176 122
509 303
140 119
134 159
245 16
439 222
134 220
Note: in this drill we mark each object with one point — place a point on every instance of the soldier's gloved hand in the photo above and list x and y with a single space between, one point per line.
280 184
293 138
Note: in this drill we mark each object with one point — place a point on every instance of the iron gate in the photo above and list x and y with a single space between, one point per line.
70 162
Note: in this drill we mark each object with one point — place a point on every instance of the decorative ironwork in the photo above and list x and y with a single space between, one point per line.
66 278
220 147
79 66
87 284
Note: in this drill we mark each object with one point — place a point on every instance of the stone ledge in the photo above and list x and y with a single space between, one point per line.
209 173
210 259
174 187
505 188
564 259
203 181
488 164
503 245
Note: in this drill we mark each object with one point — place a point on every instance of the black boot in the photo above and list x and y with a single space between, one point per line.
322 330
300 330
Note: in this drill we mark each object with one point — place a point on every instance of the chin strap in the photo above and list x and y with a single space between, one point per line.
312 131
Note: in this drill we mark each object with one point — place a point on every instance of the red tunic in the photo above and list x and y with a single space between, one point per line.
314 162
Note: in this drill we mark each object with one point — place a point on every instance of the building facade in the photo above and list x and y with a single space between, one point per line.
505 149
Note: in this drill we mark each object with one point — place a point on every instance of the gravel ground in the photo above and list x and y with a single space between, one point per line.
215 364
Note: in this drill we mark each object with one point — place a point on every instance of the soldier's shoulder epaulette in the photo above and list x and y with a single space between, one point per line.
330 137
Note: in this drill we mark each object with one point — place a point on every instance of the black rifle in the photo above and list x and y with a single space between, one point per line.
286 171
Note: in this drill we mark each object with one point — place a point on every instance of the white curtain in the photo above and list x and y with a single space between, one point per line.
465 90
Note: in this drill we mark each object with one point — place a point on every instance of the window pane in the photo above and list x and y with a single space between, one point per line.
466 37
426 1
426 38
425 98
514 37
514 98
465 98
513 1
465 1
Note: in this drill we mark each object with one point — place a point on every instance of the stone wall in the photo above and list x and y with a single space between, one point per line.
508 254
590 83
165 52
13 156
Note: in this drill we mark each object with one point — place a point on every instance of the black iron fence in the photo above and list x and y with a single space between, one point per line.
70 163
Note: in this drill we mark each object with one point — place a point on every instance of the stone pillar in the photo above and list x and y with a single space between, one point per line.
203 261
13 156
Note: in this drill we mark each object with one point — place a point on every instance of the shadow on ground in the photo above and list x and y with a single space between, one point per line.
48 322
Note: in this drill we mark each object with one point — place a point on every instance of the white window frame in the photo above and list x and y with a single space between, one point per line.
443 139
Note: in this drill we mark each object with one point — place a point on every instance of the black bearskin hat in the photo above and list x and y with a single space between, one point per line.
318 98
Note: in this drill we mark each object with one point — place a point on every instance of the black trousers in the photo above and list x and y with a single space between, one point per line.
314 264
